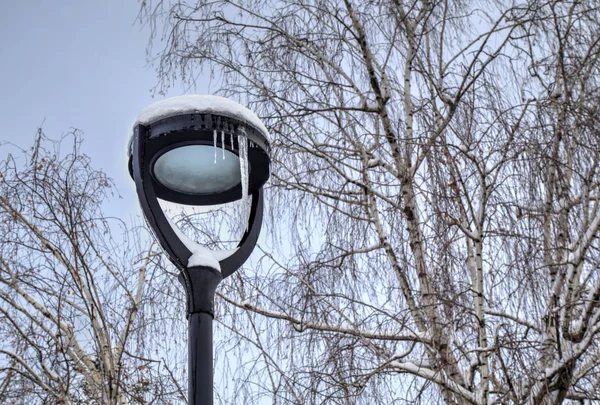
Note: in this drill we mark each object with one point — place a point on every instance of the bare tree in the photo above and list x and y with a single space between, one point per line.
80 317
434 199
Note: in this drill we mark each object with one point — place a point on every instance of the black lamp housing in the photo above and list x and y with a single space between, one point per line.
152 140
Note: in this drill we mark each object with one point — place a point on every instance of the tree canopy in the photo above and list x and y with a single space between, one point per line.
434 212
80 321
434 198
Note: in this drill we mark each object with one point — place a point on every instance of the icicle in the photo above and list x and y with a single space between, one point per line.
215 143
243 155
243 151
231 140
223 143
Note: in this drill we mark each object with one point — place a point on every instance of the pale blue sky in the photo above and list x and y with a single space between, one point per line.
81 64
77 64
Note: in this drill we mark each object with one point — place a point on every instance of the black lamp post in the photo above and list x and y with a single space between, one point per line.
172 157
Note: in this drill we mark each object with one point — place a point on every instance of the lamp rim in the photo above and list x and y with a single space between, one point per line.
200 129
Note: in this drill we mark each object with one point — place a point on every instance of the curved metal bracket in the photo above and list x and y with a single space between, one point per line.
177 251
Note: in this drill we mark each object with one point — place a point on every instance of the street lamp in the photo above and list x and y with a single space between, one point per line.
199 150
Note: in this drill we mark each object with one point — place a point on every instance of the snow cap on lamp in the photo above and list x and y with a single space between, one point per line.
197 103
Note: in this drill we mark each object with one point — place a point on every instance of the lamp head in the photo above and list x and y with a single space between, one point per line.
192 149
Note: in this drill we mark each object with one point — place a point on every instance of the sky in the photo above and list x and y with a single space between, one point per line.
76 64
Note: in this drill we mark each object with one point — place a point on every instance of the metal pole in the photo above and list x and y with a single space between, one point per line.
200 283
200 359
